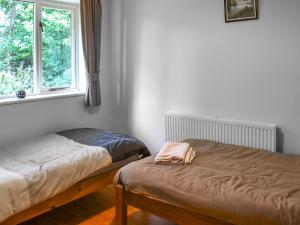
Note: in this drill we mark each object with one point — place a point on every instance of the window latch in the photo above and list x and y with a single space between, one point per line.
41 26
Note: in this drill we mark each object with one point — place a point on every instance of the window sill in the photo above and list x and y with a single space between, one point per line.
41 97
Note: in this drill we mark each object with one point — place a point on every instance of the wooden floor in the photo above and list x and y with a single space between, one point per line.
97 208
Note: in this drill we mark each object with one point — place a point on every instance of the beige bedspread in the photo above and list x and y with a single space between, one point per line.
239 185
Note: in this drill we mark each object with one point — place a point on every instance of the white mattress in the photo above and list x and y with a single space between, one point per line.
39 169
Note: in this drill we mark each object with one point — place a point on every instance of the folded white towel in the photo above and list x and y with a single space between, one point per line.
175 153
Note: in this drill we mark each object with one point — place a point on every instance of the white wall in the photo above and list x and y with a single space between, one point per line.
26 120
31 119
179 55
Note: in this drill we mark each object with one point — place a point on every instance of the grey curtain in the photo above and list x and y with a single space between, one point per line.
91 21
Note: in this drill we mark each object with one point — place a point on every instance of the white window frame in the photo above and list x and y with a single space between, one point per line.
37 48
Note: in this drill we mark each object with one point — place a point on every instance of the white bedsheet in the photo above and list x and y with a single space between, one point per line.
13 189
42 168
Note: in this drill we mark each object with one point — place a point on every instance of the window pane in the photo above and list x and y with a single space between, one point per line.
57 47
16 47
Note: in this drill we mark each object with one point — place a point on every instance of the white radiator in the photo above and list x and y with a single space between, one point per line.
180 127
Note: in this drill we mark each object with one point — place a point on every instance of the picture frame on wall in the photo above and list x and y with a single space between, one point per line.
240 10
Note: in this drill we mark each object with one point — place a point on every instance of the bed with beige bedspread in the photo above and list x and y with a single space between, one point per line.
230 183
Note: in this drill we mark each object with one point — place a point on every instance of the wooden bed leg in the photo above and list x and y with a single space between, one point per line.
121 206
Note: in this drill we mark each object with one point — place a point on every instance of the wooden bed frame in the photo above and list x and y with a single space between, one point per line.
159 207
77 191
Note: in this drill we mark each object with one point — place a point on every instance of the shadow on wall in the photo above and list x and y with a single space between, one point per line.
137 69
118 55
279 140
154 57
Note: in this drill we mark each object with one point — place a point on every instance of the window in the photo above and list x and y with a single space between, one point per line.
38 46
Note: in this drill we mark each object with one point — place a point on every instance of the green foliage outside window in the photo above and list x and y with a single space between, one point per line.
57 45
17 47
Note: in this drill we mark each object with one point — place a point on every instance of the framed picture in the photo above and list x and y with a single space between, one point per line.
238 10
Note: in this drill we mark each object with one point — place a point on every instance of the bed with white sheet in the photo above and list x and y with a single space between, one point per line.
41 168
